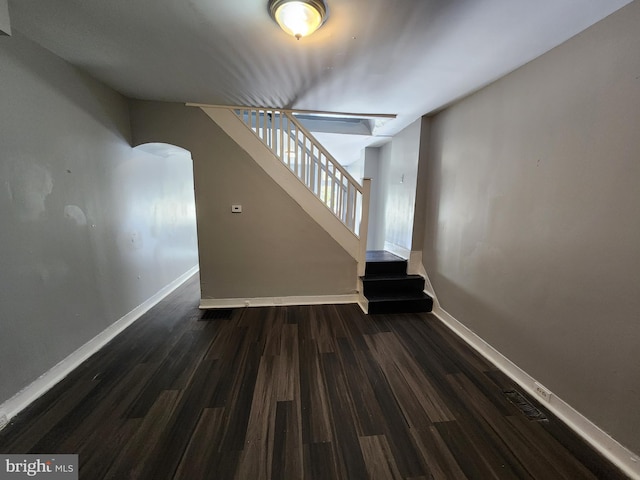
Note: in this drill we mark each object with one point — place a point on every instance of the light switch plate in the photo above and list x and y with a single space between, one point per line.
236 208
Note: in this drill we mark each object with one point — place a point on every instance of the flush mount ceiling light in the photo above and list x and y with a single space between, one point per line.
299 18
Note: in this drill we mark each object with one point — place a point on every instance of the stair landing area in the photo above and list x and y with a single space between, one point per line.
389 289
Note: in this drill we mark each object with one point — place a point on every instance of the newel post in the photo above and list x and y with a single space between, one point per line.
364 225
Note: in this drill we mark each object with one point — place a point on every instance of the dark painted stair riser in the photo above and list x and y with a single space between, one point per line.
400 304
386 268
389 289
385 284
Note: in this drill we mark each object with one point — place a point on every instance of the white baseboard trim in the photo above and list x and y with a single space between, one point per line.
206 303
46 381
363 302
416 267
623 458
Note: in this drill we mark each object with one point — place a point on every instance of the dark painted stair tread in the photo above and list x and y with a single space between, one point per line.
399 297
380 262
382 256
385 276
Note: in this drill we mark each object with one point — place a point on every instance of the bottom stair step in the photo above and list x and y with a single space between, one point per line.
381 285
400 303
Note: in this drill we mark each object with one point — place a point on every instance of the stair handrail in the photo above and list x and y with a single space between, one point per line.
346 211
319 146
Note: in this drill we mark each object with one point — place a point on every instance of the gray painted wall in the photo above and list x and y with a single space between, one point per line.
398 173
5 22
375 233
417 239
91 229
273 248
532 231
356 168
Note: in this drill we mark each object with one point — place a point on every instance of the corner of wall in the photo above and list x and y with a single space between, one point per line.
57 373
607 446
616 453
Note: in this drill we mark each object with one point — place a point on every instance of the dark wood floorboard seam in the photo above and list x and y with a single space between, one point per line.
297 392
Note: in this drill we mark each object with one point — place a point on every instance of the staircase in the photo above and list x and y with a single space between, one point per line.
389 289
333 198
304 169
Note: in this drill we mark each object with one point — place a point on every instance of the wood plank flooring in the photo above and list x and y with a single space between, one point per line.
314 392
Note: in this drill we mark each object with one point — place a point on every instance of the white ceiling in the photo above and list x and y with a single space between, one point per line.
406 57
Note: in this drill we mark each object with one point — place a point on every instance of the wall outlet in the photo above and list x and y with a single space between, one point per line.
4 421
542 392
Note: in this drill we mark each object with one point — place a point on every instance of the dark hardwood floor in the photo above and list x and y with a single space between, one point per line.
317 392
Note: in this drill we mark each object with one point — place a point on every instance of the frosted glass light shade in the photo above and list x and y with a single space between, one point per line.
298 18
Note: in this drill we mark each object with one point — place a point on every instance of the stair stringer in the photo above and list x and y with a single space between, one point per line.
416 266
283 176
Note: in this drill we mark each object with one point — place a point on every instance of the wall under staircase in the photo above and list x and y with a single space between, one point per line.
290 155
272 253
268 160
